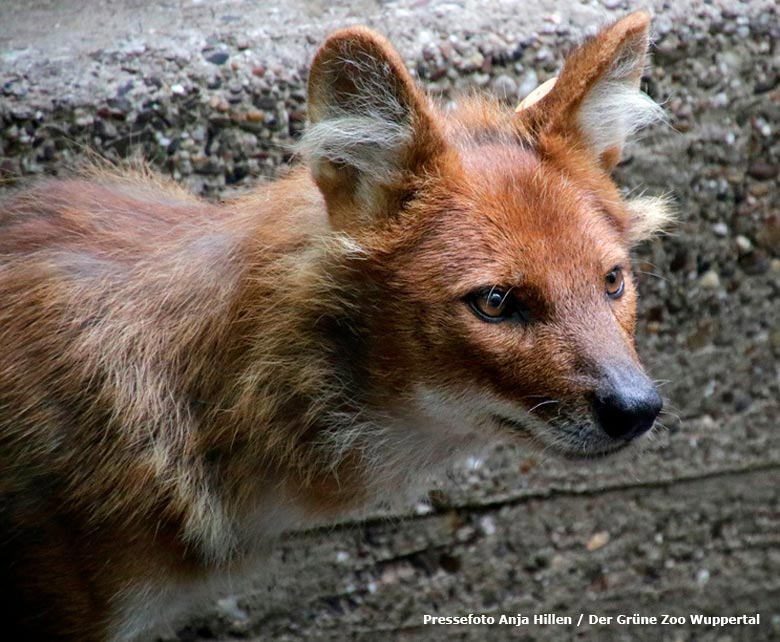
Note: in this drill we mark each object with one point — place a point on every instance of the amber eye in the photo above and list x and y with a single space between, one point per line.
490 304
614 283
496 304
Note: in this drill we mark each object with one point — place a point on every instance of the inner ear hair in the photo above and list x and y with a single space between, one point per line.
648 216
358 111
369 124
597 98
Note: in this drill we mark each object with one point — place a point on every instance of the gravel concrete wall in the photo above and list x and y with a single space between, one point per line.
213 94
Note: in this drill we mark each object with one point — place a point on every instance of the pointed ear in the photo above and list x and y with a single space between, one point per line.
596 98
370 127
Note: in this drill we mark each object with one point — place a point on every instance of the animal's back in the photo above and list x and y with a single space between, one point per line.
104 285
123 319
104 211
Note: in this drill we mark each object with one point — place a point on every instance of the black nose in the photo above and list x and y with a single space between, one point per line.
629 409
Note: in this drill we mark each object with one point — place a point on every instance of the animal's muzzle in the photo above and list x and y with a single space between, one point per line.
626 404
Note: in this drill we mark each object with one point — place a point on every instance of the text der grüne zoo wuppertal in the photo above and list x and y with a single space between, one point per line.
592 619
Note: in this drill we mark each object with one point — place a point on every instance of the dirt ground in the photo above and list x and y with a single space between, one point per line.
213 93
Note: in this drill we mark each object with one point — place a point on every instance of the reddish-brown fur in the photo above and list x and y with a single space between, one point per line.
172 372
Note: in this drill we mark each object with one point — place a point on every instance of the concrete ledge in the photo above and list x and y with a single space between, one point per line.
214 92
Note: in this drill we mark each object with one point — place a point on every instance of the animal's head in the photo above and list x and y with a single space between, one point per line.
501 245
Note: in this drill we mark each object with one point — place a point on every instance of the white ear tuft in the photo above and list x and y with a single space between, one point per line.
357 118
369 143
370 127
596 99
613 111
648 216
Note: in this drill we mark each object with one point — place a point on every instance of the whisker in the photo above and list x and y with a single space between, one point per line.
672 414
657 276
543 403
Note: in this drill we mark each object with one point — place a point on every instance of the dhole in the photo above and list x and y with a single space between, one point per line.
181 381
